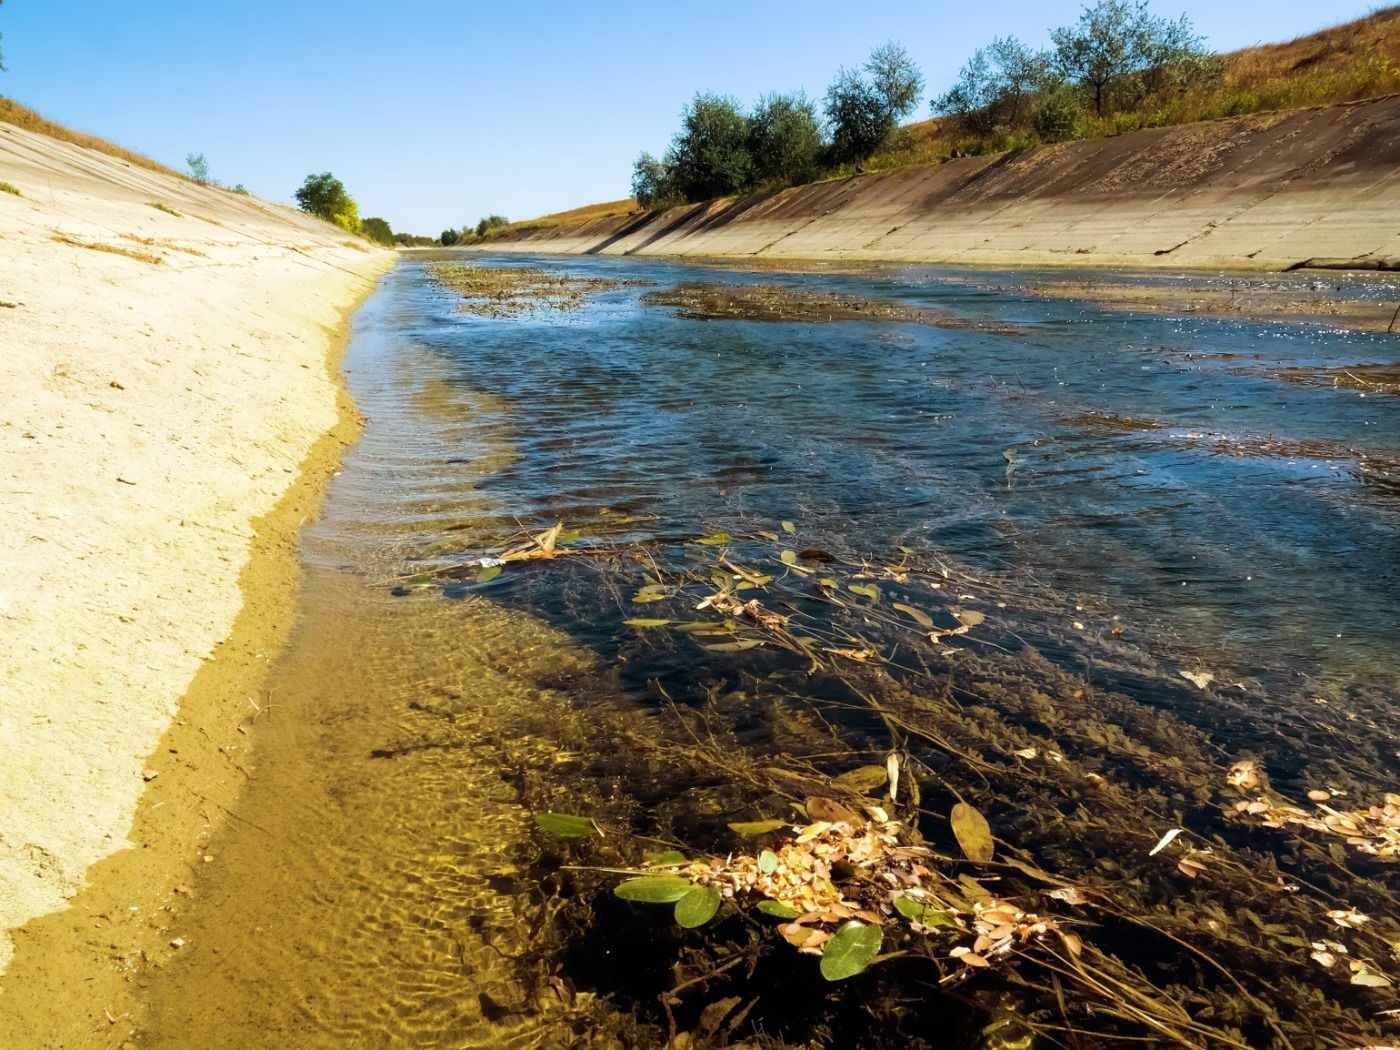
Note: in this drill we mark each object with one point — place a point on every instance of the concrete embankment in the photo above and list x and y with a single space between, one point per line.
167 386
1266 191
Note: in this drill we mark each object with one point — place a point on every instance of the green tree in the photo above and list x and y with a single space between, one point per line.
1119 46
895 78
997 87
198 168
489 223
324 196
654 183
856 115
449 237
377 230
710 154
784 139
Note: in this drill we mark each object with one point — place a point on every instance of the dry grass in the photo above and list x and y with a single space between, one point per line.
114 249
11 112
160 243
158 206
587 213
10 187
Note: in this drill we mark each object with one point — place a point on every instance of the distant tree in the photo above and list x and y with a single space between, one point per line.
449 237
240 188
489 223
709 156
997 86
377 230
324 196
198 167
1119 45
654 183
784 139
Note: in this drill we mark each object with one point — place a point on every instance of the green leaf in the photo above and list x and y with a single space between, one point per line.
566 826
789 527
655 592
706 627
850 951
697 907
973 833
865 590
670 856
734 647
921 913
488 573
715 539
654 889
768 862
862 779
778 911
646 623
920 617
751 829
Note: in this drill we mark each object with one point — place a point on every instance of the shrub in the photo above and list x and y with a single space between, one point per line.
377 230
198 168
489 223
324 196
448 238
1057 114
709 157
784 139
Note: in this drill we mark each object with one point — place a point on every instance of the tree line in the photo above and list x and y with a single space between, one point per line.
1117 55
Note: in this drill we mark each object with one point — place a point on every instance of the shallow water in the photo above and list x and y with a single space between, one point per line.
1148 478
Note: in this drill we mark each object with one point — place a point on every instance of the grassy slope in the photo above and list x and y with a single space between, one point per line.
11 112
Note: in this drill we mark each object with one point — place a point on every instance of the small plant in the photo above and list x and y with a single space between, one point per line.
198 168
9 187
158 206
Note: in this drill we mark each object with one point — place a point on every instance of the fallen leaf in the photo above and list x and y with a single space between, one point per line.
1200 679
1164 842
917 615
973 833
852 949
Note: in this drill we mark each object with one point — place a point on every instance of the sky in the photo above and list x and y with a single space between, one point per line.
434 113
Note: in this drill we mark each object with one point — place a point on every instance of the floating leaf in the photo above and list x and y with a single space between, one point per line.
778 911
1164 842
862 779
706 627
566 826
919 616
715 539
670 856
973 833
488 573
916 911
697 907
865 590
654 889
788 557
734 647
828 809
1200 679
968 617
753 828
789 527
852 948
655 592
646 623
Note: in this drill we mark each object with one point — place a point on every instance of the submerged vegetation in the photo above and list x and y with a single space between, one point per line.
876 760
508 291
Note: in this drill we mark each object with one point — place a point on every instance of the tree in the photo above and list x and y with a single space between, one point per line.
654 183
710 154
895 78
997 86
1120 44
448 238
324 196
863 106
489 223
784 139
377 230
857 117
198 167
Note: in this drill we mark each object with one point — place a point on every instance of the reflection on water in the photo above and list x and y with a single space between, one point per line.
1153 474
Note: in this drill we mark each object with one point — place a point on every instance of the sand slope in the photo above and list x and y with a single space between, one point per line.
1264 192
163 374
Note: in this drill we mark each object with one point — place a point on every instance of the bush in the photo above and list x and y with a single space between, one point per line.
198 168
377 230
1057 114
324 196
489 223
654 183
709 156
448 238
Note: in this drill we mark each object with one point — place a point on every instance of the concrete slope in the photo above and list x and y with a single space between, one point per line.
1265 191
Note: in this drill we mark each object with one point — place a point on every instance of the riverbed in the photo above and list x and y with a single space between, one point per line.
1137 547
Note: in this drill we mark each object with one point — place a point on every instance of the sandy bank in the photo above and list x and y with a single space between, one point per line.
164 380
1260 192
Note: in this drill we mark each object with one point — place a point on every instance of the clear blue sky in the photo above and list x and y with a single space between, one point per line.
435 112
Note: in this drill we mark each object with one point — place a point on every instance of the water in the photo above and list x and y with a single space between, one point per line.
1142 495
